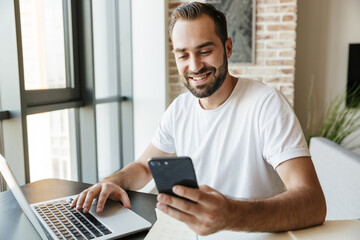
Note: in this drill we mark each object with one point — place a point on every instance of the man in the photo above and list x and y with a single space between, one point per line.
245 141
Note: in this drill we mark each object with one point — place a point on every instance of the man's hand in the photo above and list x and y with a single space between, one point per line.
132 177
102 190
206 214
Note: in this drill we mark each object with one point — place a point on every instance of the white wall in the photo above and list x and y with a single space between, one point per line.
325 29
149 69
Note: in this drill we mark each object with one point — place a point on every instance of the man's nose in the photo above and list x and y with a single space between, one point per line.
195 64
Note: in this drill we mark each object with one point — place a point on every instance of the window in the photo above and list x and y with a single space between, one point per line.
108 138
46 66
42 88
51 144
46 60
43 44
112 66
68 88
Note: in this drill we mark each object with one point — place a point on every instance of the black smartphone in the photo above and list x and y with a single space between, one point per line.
170 171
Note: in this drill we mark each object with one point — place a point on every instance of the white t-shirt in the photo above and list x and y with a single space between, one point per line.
236 147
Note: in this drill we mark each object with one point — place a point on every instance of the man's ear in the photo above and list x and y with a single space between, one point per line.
228 47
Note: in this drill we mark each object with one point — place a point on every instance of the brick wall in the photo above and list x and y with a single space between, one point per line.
274 48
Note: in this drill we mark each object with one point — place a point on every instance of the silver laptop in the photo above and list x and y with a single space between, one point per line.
56 220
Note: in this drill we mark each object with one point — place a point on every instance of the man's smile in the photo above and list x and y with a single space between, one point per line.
201 78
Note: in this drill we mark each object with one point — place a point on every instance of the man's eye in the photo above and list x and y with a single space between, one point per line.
182 56
205 52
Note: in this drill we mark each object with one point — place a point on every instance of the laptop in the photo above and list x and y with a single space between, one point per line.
56 220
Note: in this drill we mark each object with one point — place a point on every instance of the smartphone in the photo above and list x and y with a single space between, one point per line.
170 171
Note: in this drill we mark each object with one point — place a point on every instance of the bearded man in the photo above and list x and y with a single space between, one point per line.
247 146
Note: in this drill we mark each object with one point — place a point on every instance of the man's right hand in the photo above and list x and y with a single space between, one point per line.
136 175
102 190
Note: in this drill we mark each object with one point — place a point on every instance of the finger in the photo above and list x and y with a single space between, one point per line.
181 216
124 198
102 200
73 203
192 194
114 193
81 199
91 194
206 188
178 203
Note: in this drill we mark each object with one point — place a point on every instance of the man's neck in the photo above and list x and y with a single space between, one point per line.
220 96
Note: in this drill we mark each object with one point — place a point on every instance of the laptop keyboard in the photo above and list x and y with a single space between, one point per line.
69 223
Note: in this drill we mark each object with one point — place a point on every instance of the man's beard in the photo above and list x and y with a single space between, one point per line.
207 89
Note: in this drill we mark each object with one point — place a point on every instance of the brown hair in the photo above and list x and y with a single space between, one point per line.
196 9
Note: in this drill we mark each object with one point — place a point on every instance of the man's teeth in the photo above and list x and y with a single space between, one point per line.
199 77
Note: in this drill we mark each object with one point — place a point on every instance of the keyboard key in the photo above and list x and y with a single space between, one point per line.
89 236
64 232
99 225
67 235
83 230
77 234
103 229
106 232
96 233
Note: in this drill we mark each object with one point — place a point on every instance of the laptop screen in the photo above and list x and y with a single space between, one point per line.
19 196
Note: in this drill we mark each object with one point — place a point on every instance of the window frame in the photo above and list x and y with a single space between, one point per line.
20 102
36 101
46 100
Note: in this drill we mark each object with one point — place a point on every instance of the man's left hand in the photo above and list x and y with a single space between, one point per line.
206 213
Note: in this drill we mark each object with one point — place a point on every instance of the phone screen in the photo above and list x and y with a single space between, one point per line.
171 171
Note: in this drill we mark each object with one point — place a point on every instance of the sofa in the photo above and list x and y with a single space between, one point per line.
338 170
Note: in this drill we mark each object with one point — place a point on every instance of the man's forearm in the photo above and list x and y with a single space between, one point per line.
293 209
132 177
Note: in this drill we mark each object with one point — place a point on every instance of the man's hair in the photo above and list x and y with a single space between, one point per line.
196 9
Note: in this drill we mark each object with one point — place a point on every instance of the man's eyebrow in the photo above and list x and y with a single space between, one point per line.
179 50
206 44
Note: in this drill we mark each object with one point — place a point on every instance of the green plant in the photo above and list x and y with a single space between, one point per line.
340 120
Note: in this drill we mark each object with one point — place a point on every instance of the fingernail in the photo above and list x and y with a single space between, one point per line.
161 197
160 206
175 189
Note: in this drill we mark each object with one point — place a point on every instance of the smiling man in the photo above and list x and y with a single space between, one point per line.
247 146
201 57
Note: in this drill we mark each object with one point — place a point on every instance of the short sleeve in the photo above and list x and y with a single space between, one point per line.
163 138
280 131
